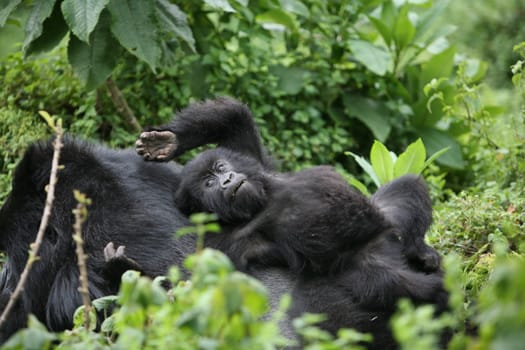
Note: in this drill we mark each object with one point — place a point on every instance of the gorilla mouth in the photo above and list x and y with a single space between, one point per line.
234 192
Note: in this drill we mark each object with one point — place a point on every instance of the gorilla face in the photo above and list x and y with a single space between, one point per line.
223 182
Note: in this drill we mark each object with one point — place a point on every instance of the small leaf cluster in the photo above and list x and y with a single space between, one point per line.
385 166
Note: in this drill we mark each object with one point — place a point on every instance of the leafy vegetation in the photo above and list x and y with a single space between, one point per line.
323 78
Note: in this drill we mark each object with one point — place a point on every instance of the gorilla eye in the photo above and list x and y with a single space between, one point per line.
220 167
209 182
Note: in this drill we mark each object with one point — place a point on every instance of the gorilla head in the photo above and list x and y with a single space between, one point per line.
223 182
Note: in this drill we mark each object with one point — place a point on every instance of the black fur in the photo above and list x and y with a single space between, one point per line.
336 251
132 205
354 258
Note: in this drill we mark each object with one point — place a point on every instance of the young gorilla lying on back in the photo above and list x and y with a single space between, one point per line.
354 257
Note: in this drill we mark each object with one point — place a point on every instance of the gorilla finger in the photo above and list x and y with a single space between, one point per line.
109 251
120 251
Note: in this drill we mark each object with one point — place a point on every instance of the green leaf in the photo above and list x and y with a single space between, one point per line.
426 28
382 162
35 337
375 58
412 161
134 25
373 114
439 66
82 16
404 30
436 140
382 28
360 186
295 6
276 16
435 156
48 118
40 11
104 303
94 62
366 166
291 79
6 7
220 4
173 20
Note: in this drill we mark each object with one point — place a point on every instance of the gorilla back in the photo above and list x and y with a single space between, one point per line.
132 205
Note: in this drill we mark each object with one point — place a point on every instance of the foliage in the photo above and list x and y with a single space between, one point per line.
330 93
17 130
385 166
100 30
496 24
334 84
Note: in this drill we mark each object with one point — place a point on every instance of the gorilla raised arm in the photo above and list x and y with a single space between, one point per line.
306 219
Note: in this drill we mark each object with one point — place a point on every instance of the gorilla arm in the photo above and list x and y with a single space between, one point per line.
223 121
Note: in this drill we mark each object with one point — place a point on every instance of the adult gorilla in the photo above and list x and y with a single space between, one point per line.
132 206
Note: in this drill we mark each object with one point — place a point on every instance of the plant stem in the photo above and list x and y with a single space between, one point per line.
35 246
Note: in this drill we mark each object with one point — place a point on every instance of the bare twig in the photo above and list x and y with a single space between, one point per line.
35 246
120 102
80 217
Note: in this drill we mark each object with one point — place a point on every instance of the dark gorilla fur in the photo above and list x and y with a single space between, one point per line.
336 251
132 205
353 258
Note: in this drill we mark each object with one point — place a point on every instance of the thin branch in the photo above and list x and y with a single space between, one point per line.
120 102
57 145
80 217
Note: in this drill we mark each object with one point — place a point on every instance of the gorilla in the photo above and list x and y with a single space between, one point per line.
352 257
319 254
132 207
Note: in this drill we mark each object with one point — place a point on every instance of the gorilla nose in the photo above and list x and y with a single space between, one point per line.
227 178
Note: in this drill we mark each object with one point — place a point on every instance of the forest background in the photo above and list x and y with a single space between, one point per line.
323 78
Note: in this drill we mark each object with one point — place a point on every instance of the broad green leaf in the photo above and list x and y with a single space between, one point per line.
375 58
404 30
40 10
6 7
54 30
412 161
382 28
173 20
291 79
295 6
382 162
428 22
436 140
221 5
440 65
94 62
277 17
133 24
373 114
388 14
82 16
366 166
